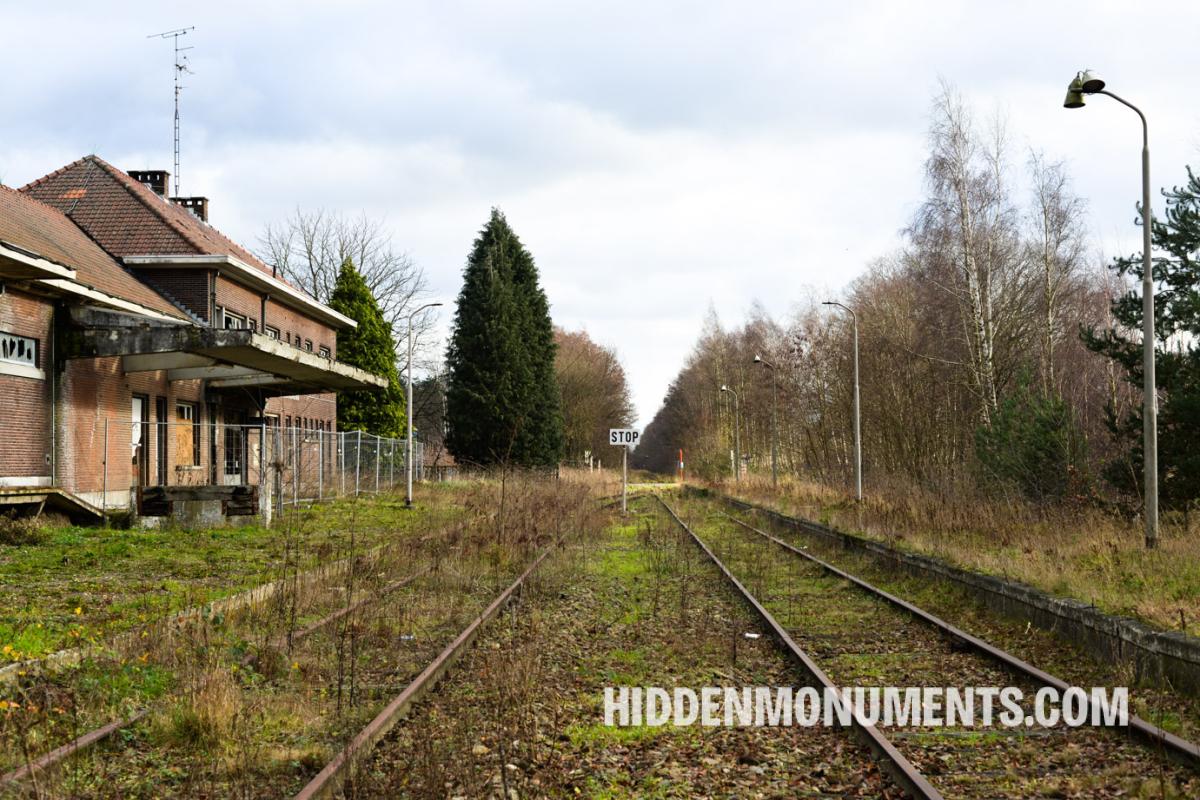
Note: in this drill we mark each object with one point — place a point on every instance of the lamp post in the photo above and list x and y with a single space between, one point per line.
774 420
737 443
857 415
1086 83
409 444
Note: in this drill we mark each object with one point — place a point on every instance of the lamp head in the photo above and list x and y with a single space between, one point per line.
1075 93
724 388
757 358
1090 82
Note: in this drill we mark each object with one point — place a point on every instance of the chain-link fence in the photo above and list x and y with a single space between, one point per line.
126 465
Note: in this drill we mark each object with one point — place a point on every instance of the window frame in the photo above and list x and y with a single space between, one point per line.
193 416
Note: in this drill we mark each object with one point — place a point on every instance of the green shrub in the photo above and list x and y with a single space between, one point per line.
19 529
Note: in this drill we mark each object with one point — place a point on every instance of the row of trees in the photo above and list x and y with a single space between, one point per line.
514 389
973 364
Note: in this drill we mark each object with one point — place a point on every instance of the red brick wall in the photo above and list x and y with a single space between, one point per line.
307 407
189 287
240 300
290 321
25 402
92 390
293 326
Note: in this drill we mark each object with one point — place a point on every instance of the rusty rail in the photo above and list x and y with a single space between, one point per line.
327 780
100 734
897 766
1174 746
59 753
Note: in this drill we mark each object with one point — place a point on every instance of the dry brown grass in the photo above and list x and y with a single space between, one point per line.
1081 552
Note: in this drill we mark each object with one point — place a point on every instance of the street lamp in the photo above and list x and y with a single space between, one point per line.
737 442
1086 83
857 416
409 444
774 421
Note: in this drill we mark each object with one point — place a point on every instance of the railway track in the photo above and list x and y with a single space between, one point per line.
281 644
846 632
305 631
337 774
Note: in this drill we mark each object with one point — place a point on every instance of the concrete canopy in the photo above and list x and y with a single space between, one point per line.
227 359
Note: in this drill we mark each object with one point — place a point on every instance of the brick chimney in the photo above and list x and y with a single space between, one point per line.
196 205
158 180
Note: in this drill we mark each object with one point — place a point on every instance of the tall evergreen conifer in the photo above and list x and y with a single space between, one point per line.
370 347
1177 360
502 398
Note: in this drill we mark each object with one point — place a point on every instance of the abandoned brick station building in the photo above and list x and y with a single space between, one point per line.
119 302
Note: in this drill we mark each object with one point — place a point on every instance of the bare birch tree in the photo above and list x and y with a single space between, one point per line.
308 249
1057 246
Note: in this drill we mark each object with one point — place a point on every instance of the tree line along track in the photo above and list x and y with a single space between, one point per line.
867 637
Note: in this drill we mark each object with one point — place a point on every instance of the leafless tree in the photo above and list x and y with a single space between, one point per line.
309 247
1057 246
967 237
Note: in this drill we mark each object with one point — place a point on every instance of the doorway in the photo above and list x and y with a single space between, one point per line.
160 439
139 424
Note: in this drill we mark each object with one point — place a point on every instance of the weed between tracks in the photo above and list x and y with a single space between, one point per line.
1074 551
523 715
862 641
240 709
1178 712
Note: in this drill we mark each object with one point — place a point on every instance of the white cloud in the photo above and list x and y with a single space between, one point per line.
654 157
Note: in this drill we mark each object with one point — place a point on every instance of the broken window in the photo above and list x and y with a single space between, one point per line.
18 349
233 321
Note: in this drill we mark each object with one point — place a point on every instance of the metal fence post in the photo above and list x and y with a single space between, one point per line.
295 470
104 479
392 466
320 463
277 453
357 462
262 466
377 441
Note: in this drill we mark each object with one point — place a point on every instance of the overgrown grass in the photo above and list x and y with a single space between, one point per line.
1082 553
233 702
79 585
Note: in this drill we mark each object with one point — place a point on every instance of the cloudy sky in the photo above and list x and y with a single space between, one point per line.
656 157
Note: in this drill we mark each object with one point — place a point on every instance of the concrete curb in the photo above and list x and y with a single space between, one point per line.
1158 657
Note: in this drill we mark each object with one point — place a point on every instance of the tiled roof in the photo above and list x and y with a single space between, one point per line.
127 218
46 231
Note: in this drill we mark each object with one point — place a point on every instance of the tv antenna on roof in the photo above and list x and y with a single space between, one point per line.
181 66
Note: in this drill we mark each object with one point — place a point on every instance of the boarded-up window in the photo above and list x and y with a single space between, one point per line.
187 434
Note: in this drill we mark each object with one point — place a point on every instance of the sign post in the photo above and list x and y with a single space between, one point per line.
626 438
